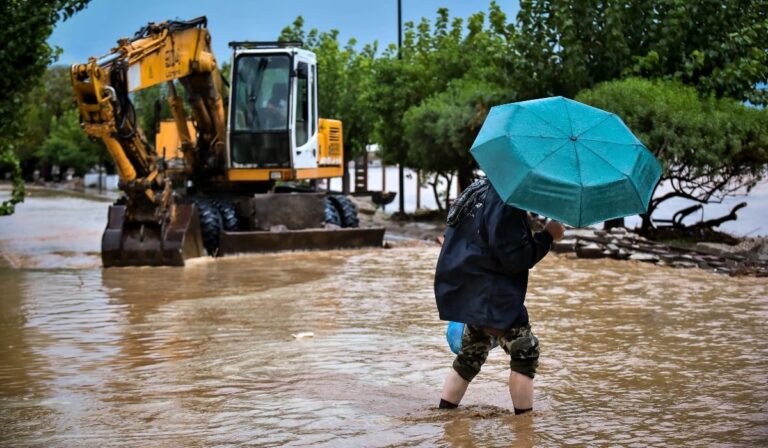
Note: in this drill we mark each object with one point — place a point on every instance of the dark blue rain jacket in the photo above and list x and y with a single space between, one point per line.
482 272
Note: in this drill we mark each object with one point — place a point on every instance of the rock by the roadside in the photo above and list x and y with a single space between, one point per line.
684 264
581 242
669 258
647 258
759 251
364 204
425 226
564 245
575 233
592 250
715 248
621 254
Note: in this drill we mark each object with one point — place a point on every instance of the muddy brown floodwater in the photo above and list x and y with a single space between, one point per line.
632 355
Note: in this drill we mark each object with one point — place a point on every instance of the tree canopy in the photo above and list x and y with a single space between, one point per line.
709 147
441 128
67 145
716 46
24 56
345 78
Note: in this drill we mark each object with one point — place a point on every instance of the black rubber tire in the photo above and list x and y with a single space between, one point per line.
210 225
347 210
228 213
331 214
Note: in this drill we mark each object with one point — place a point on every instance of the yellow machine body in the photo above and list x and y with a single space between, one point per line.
158 58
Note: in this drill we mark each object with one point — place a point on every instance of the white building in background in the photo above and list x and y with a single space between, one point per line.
101 180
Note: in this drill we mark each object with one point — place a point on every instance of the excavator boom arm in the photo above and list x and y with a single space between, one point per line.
151 227
159 53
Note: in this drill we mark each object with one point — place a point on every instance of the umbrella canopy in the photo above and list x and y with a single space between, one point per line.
565 160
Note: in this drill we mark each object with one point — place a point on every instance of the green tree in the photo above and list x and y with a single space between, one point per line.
568 45
709 148
345 84
68 146
48 100
442 128
24 28
718 46
432 58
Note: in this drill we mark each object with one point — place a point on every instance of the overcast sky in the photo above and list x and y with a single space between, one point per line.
95 30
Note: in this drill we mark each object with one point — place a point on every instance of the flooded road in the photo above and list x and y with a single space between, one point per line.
632 355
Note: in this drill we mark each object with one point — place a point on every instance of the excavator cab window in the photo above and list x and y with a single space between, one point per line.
302 104
259 111
313 89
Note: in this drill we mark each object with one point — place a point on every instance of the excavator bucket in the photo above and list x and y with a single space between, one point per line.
307 239
169 244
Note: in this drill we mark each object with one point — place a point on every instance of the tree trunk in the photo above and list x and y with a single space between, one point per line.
401 186
418 189
449 183
647 224
345 177
611 223
434 183
465 177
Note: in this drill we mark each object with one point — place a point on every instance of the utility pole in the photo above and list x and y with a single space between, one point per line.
400 56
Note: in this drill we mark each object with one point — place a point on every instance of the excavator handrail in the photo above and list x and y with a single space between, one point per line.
254 45
170 25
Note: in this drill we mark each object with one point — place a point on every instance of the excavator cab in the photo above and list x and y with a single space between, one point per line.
274 129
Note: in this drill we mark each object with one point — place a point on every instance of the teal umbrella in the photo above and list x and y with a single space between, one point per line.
566 161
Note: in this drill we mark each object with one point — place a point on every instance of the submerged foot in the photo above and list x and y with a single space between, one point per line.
447 405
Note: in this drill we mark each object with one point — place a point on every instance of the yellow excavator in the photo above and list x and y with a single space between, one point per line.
238 174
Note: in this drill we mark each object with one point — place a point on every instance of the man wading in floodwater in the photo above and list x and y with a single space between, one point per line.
481 280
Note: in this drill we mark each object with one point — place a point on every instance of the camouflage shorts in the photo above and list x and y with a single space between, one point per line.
519 343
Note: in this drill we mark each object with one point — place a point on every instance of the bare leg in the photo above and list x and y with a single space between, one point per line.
454 387
520 390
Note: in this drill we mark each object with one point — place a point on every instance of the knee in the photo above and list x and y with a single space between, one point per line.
469 361
523 353
475 346
525 366
466 367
